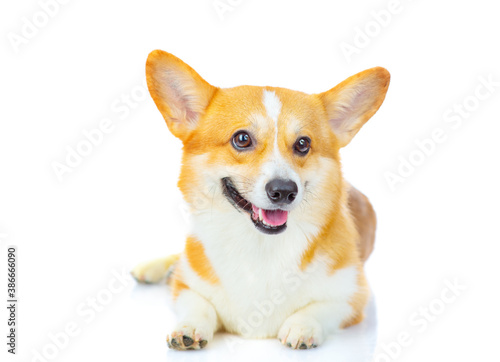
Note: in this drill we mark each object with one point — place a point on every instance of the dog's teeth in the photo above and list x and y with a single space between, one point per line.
261 218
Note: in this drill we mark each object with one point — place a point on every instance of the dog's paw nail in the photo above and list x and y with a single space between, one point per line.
304 335
175 344
188 341
203 343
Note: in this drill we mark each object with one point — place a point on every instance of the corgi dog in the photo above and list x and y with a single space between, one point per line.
278 237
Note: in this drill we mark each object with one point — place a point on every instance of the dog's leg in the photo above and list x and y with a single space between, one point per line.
308 327
154 271
197 322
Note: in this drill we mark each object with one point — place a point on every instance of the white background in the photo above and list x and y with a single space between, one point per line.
120 205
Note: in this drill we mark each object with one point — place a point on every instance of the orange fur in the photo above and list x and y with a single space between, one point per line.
199 262
177 283
345 241
358 301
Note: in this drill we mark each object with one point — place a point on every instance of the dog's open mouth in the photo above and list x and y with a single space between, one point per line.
266 221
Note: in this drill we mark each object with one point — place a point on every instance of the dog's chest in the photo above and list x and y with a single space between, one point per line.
256 295
261 282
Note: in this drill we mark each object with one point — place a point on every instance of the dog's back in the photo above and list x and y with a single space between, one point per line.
365 220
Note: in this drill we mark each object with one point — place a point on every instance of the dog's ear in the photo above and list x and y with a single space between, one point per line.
351 103
180 94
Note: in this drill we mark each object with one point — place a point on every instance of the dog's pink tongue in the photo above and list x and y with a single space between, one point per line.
271 217
275 217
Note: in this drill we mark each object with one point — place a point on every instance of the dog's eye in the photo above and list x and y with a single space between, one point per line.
241 140
302 146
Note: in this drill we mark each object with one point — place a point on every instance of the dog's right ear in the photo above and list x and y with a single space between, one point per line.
180 94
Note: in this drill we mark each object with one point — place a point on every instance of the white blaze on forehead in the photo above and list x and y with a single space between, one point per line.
273 106
273 109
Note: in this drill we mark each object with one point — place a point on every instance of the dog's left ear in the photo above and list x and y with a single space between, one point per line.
180 93
351 103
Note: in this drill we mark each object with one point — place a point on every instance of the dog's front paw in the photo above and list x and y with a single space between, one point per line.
301 332
187 338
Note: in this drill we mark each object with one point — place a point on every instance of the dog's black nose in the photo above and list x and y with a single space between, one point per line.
281 191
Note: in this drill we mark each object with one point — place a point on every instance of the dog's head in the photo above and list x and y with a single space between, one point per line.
269 155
